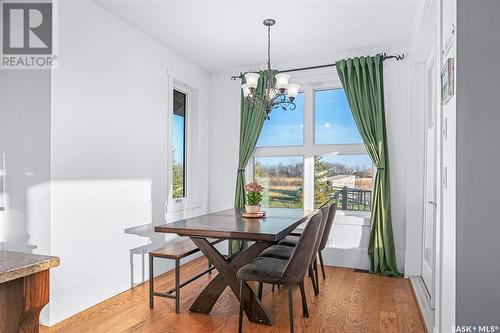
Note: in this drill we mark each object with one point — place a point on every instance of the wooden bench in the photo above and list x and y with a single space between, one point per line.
175 250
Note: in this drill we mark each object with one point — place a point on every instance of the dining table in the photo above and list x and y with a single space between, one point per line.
259 233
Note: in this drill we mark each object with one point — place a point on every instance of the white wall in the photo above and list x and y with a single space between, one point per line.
224 134
224 140
397 122
25 141
109 150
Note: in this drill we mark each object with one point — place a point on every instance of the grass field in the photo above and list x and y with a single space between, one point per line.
280 192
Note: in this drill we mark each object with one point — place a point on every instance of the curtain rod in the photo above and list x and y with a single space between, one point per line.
384 57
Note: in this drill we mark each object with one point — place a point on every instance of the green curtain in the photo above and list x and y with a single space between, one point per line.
362 79
252 119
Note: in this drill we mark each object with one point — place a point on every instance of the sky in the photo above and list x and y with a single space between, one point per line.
333 122
362 161
285 128
275 160
178 136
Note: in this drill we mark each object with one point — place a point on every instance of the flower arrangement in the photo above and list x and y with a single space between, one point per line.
254 196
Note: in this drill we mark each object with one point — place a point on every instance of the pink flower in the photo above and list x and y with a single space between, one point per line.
253 187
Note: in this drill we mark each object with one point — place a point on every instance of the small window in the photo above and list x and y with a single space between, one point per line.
333 121
179 146
347 178
282 178
285 127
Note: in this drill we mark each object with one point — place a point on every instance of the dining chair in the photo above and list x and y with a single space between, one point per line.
326 234
284 272
284 253
291 241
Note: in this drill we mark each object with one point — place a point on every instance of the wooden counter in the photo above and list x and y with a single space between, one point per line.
24 290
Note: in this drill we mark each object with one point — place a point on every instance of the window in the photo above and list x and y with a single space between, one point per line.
347 178
282 179
179 146
333 121
307 156
285 128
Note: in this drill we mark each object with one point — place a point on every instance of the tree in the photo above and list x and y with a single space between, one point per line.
323 190
177 178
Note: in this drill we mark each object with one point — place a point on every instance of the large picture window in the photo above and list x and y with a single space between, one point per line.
347 178
285 128
282 179
179 146
313 154
333 121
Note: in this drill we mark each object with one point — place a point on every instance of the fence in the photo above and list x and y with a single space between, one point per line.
353 198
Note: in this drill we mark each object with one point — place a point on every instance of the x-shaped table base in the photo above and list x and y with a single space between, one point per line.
227 269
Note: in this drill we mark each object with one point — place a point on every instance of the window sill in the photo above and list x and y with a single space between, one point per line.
177 205
349 218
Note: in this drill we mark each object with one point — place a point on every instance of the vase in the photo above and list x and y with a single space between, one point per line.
252 209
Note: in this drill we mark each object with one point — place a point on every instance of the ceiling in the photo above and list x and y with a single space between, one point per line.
218 35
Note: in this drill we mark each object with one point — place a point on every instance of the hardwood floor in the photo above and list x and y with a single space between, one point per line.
349 301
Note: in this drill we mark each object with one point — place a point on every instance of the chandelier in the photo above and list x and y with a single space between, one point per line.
278 92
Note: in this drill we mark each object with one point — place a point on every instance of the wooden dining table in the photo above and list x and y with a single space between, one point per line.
230 225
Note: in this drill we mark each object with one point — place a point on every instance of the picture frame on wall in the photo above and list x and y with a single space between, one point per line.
447 81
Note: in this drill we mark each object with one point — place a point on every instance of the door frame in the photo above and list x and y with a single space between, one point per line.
432 60
421 46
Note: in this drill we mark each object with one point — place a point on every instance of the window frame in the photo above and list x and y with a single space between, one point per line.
310 84
185 161
192 198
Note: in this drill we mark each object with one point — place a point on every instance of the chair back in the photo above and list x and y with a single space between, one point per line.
324 217
299 261
328 226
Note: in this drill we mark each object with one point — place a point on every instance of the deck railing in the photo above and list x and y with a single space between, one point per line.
353 198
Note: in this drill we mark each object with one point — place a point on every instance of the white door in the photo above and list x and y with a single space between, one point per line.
430 186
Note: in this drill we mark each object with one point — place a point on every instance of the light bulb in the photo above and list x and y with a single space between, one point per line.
245 89
293 91
252 79
282 81
271 93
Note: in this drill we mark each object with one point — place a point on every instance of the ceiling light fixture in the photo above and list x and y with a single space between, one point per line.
278 92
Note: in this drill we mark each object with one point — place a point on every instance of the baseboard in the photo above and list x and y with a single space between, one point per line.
78 297
70 300
423 302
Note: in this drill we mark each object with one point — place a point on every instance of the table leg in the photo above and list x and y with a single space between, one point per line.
227 269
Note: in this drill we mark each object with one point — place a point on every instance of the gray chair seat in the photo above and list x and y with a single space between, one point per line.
282 252
263 269
289 240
